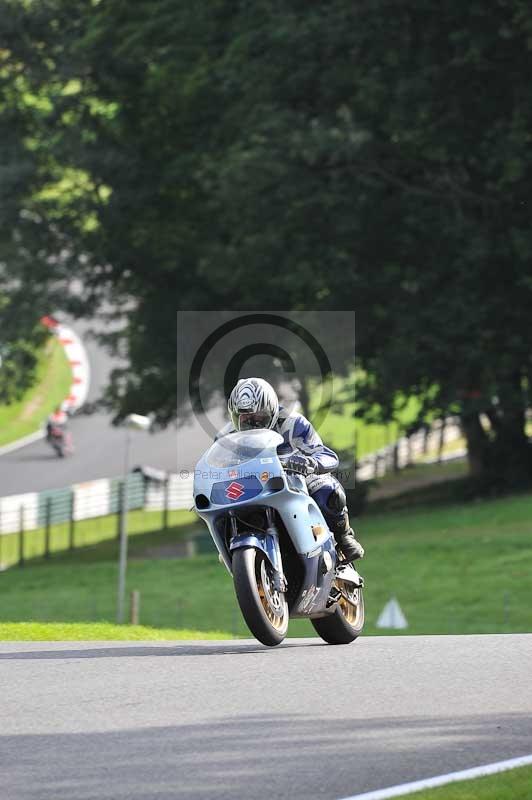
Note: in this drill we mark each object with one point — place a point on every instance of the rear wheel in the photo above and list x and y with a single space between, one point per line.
347 622
263 607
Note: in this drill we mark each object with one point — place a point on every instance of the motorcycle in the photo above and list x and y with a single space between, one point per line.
60 440
274 541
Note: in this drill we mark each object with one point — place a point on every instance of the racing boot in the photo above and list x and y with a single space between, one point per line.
345 539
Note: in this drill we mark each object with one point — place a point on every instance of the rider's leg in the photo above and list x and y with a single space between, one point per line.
329 494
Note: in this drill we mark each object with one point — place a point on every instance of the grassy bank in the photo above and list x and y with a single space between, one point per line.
54 378
454 569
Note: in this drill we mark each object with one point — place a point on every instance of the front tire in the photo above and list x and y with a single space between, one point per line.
346 624
264 609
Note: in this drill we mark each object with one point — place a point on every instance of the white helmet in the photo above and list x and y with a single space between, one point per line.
253 403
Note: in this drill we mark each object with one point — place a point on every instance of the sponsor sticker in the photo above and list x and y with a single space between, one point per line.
266 461
233 473
264 476
308 599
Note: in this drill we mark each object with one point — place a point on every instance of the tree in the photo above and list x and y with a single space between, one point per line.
274 155
384 153
38 243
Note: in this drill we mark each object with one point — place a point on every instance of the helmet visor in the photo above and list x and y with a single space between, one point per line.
249 420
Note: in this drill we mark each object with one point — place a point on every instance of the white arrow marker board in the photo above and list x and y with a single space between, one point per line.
392 616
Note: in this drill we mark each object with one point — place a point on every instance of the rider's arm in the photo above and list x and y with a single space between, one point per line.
304 438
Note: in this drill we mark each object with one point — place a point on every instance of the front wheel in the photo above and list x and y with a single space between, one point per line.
263 607
346 624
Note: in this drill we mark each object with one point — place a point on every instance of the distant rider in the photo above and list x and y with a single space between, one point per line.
57 419
254 404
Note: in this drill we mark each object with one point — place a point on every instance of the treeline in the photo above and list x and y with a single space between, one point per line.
370 155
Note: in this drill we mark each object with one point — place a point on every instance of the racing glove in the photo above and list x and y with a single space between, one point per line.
304 465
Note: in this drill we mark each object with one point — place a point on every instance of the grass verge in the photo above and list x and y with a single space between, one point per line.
462 568
96 631
516 784
52 385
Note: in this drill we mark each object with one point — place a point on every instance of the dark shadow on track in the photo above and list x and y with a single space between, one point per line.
216 649
37 457
255 755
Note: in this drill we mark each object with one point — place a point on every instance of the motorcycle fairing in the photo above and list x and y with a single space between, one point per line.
243 489
297 510
317 581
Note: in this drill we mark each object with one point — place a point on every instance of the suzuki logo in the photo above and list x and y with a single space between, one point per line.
234 491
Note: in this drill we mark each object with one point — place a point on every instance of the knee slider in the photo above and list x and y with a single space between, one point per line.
336 502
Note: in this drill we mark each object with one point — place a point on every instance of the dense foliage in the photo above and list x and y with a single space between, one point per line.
370 155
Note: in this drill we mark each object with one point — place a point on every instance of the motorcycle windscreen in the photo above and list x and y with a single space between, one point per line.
242 446
234 491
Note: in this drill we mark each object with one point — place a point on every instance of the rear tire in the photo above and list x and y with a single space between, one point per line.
265 611
345 625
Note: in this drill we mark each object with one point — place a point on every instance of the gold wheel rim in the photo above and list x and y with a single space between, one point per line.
351 608
271 600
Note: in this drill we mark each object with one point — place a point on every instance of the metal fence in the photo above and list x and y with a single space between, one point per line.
427 445
38 523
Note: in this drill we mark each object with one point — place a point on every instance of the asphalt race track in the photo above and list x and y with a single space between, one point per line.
235 720
99 445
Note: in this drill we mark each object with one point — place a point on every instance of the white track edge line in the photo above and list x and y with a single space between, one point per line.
26 440
440 780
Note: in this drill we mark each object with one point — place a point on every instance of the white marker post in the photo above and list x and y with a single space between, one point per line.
132 422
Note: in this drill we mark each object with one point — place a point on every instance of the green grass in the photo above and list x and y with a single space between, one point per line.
96 631
54 378
515 784
175 593
463 568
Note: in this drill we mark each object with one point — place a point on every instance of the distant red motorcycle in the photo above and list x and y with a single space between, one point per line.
60 440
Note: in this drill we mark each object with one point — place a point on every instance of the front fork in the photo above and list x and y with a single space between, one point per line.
267 541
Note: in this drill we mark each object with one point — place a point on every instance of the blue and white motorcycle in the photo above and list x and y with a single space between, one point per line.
274 540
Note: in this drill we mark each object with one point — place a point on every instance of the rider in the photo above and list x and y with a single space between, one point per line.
57 419
253 403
